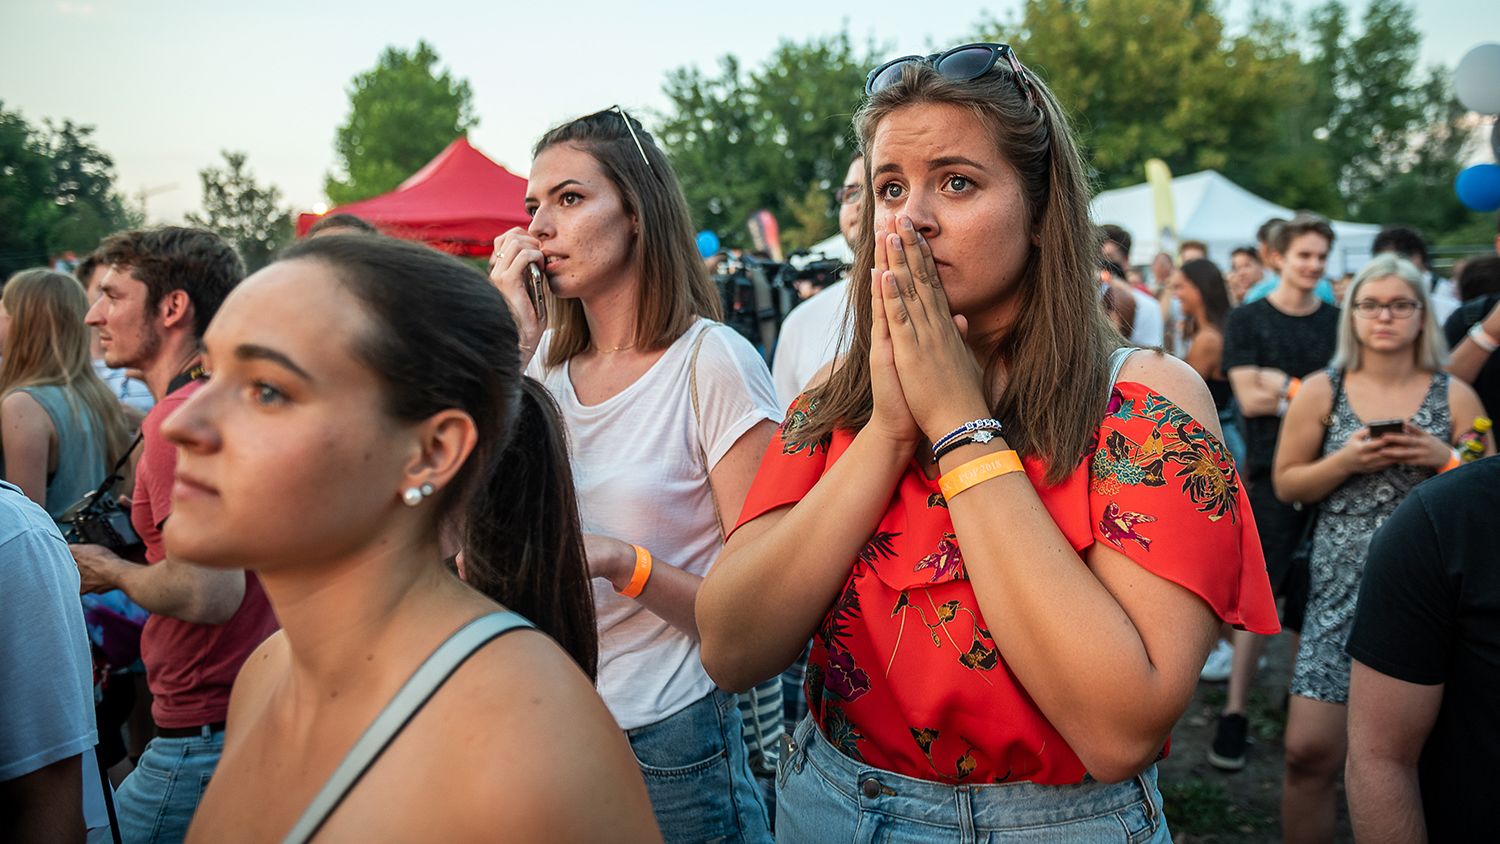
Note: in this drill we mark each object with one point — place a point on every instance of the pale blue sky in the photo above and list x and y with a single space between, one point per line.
169 83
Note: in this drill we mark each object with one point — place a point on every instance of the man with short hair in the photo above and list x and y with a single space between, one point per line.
1424 686
1409 243
1148 328
1245 271
1270 345
130 391
1267 236
163 287
810 334
1192 250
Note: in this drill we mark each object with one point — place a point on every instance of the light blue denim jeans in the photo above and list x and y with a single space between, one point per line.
156 802
697 774
824 796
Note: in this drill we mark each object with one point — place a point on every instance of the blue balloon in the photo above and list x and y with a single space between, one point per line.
708 243
1478 187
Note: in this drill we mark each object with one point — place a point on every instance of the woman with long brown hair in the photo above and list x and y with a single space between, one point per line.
667 413
1010 540
60 426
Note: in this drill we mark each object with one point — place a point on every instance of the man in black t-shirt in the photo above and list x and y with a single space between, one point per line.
1270 345
1473 359
1424 689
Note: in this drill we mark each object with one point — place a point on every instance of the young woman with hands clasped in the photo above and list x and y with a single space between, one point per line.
667 413
1336 454
365 416
1011 541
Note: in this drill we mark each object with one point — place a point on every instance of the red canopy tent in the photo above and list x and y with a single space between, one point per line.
460 202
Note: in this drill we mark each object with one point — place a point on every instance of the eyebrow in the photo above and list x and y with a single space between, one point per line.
557 187
937 164
250 351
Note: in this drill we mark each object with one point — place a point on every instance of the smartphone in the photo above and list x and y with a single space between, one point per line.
535 281
1386 426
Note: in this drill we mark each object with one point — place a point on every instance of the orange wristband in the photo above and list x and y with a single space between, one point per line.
1453 463
641 574
1292 387
978 471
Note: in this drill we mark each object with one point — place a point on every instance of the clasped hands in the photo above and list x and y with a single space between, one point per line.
924 378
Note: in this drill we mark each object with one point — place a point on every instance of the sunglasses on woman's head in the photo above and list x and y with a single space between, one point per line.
960 64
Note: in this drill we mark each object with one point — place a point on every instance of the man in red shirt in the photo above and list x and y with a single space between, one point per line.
163 287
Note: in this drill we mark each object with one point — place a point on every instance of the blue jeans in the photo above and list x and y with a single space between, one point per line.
697 774
156 802
824 796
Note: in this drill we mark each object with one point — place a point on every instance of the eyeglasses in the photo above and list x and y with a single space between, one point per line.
961 64
631 129
846 194
1399 309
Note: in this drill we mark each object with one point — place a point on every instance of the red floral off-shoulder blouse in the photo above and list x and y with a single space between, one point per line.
907 675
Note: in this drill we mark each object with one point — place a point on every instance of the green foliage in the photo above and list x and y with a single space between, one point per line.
57 192
776 138
244 213
401 114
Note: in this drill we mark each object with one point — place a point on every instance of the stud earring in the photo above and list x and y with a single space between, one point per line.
428 489
412 496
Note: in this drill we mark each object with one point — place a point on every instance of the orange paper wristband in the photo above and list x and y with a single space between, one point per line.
978 471
1292 387
641 574
1453 463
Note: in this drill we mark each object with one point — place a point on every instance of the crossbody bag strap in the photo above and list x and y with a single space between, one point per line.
414 694
698 423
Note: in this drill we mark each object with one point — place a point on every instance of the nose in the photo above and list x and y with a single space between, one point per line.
541 226
921 209
95 314
193 426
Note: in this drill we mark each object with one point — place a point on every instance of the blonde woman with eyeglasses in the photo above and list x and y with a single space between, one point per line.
667 412
1355 440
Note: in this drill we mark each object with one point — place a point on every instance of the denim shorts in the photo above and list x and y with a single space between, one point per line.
824 796
698 775
156 802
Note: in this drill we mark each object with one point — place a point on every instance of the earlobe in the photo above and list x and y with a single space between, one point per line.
444 443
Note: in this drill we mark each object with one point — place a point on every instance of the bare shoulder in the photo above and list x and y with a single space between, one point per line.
1172 378
20 407
252 685
1461 396
535 734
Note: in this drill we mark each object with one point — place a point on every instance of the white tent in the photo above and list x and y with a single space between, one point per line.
1220 213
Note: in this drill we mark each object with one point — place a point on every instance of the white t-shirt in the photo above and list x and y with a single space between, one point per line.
809 339
1149 329
640 477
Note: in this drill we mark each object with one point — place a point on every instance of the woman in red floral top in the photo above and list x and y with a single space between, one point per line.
1004 633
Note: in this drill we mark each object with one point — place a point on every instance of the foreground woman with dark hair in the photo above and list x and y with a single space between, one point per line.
365 402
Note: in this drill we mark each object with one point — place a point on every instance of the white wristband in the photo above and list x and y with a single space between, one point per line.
1482 338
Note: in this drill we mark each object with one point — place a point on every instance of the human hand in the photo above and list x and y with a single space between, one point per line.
891 418
514 252
1363 454
98 568
940 380
610 559
1414 447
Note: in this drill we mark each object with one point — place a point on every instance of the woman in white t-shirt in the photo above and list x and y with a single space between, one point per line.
667 414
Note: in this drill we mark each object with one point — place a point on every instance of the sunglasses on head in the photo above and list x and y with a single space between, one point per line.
960 64
631 129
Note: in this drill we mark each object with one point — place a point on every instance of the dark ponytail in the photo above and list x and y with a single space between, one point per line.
523 544
442 337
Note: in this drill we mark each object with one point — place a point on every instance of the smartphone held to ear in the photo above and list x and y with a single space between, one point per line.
535 282
1386 426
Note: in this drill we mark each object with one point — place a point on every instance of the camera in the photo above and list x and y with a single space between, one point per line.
98 519
757 293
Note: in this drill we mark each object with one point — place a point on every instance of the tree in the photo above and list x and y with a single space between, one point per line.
244 213
401 114
1151 80
57 193
776 138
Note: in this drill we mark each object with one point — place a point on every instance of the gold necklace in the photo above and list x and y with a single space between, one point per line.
604 351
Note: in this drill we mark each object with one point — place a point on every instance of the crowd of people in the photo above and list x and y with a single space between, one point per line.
375 545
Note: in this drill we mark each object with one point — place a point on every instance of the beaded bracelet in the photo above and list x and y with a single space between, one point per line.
979 437
966 428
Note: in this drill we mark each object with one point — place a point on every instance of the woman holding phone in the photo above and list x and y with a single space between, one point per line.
1010 539
365 408
667 413
1355 440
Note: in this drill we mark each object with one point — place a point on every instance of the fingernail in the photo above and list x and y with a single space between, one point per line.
906 223
896 242
890 282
